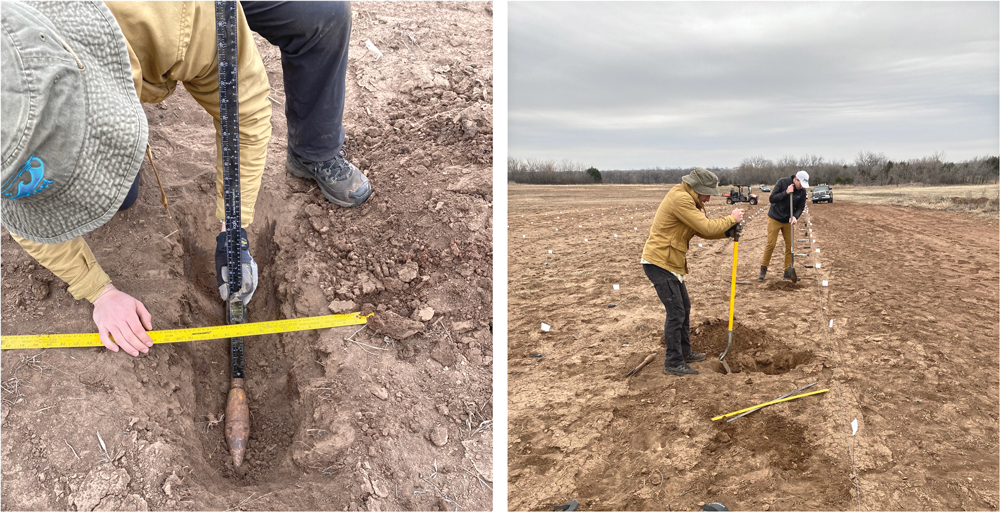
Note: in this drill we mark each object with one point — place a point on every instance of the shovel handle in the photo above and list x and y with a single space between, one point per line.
732 286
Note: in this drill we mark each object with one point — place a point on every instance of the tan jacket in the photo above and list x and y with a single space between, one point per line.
170 42
679 218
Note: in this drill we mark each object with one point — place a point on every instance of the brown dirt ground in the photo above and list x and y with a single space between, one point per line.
335 424
912 354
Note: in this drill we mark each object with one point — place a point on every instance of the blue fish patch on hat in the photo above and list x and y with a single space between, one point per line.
21 185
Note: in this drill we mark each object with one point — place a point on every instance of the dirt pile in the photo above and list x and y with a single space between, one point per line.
340 419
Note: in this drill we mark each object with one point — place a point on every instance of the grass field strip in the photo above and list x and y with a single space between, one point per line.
614 211
827 328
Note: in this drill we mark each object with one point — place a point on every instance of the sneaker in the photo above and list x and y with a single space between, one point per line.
682 369
694 357
763 272
341 182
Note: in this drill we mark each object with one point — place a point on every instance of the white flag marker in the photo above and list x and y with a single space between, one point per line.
831 323
854 427
545 327
826 283
550 251
615 286
819 265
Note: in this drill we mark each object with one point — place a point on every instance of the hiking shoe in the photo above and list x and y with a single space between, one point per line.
790 275
682 369
694 357
341 182
763 272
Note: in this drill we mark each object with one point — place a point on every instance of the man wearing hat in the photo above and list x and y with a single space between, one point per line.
74 132
781 219
664 258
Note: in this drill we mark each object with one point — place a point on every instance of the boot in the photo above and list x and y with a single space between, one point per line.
790 275
681 370
694 357
763 272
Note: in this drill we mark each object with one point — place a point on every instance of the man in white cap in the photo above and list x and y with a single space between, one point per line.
74 132
781 219
679 217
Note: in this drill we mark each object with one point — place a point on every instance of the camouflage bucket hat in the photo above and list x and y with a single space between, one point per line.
703 182
73 130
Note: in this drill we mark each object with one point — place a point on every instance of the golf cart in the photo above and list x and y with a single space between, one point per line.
737 195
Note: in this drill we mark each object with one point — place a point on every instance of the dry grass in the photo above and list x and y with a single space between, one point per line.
979 199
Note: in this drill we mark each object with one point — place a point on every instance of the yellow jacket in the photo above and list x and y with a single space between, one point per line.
677 219
170 42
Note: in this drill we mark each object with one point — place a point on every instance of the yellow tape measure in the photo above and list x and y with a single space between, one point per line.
182 335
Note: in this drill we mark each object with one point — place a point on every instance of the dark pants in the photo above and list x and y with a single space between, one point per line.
133 194
313 38
674 296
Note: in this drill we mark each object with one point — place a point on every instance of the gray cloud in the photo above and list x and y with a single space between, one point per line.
642 84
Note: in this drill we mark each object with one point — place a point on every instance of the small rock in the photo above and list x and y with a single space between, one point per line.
381 393
395 326
342 306
408 272
461 326
170 484
425 314
439 436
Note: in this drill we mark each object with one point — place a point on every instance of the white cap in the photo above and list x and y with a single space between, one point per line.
803 178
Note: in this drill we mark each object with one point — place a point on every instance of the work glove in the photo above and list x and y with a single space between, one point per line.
222 268
733 231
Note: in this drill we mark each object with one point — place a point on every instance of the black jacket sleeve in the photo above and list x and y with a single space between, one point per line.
778 193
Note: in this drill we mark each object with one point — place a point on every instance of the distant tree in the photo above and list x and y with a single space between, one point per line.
843 180
870 166
594 173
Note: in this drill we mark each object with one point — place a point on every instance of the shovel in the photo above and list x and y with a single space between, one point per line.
791 210
737 229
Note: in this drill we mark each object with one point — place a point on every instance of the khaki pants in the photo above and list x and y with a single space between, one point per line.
773 227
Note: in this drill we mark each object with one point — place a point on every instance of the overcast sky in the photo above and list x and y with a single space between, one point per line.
626 85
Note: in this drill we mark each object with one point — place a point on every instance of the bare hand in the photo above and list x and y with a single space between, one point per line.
122 321
790 189
794 220
738 215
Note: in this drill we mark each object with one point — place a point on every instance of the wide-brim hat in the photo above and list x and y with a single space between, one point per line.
73 130
703 182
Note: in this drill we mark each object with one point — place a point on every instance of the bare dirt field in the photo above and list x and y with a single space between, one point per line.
904 336
381 421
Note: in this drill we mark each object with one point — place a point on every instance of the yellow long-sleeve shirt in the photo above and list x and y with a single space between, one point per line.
170 42
678 218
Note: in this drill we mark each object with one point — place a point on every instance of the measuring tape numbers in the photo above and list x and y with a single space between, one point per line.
183 335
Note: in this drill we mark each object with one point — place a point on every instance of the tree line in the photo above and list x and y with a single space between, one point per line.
868 168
